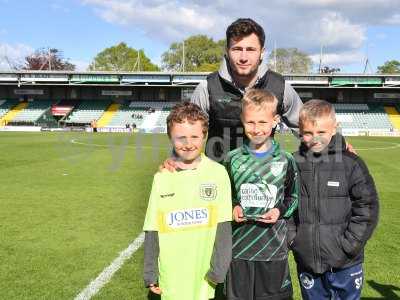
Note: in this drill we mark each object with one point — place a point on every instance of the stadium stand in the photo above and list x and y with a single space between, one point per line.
5 111
158 121
162 119
14 112
394 116
149 123
362 116
63 107
6 105
149 115
87 111
32 111
108 115
350 106
129 113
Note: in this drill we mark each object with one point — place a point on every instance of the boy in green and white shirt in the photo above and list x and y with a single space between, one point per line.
187 225
264 192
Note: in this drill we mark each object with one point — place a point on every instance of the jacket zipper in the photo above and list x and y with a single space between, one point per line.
317 257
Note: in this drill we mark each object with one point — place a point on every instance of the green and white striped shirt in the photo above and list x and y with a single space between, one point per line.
273 181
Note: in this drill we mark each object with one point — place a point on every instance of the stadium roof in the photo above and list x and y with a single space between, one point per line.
184 79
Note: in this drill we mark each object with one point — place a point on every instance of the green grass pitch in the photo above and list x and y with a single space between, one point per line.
71 202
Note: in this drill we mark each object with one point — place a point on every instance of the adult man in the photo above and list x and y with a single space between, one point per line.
243 67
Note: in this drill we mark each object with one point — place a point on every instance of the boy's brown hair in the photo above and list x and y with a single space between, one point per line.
260 97
187 111
315 109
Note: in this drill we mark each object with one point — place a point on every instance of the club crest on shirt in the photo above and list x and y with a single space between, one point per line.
277 167
208 191
225 99
307 281
242 168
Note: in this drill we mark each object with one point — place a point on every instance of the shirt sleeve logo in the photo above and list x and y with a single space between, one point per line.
208 191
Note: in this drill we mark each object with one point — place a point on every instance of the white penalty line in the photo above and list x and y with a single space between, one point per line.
104 277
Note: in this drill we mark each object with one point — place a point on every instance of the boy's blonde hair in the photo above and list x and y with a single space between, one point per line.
187 111
315 109
260 97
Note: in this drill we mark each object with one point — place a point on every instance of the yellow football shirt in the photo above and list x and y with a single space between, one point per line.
185 208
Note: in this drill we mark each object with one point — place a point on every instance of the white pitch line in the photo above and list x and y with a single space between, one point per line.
104 277
396 145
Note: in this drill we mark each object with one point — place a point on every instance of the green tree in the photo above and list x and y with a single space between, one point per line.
122 58
202 54
390 67
290 61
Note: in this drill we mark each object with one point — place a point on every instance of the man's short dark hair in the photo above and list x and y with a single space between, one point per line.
244 27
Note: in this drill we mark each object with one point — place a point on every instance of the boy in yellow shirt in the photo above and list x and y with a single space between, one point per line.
187 226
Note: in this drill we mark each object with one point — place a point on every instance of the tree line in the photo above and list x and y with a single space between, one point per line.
198 53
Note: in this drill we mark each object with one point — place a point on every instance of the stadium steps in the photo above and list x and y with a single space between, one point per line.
87 111
394 116
9 116
363 117
32 112
6 105
150 120
108 115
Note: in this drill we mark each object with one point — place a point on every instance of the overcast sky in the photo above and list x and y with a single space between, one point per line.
347 30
